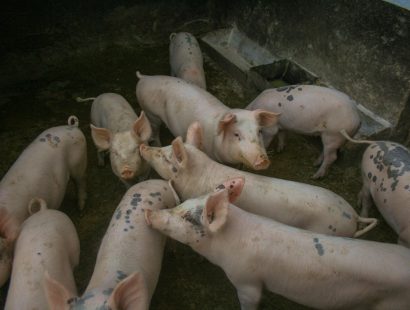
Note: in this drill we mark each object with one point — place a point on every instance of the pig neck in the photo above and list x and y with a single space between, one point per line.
202 174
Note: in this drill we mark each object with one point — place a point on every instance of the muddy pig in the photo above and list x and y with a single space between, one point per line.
230 136
310 110
386 182
42 170
130 255
48 245
305 206
318 271
185 58
117 129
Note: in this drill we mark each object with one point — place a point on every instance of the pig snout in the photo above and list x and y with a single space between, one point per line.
261 162
127 173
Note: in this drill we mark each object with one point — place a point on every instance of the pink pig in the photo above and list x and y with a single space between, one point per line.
185 58
130 255
310 110
230 136
48 245
318 271
386 183
116 129
297 204
42 170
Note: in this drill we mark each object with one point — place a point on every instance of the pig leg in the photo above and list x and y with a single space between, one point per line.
281 141
79 177
331 143
365 200
319 160
267 135
249 296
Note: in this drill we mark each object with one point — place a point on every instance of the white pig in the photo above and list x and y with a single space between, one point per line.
185 58
48 244
229 135
310 110
297 204
386 182
42 170
117 129
130 255
319 271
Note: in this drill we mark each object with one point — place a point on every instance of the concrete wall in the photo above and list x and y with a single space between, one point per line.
361 47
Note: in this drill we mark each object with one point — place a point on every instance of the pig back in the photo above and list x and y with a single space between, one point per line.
48 242
43 170
129 244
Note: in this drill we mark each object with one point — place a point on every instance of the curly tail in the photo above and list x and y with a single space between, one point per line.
73 121
79 99
139 75
372 222
344 134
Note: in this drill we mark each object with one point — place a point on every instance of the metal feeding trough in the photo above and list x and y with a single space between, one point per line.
258 68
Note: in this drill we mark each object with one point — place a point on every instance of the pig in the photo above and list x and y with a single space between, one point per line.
48 246
116 129
386 183
305 206
310 110
185 58
316 270
130 255
42 170
230 136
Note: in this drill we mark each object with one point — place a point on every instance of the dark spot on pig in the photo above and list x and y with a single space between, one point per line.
330 227
283 88
289 98
118 215
127 221
174 169
121 275
108 291
42 140
369 175
299 88
407 186
280 104
57 139
155 194
132 227
220 186
150 202
165 189
127 217
371 156
137 195
129 211
347 215
385 200
374 178
134 202
48 135
318 247
38 253
125 229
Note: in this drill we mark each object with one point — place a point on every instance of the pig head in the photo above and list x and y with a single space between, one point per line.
126 161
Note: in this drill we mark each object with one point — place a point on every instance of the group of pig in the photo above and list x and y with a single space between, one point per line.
291 238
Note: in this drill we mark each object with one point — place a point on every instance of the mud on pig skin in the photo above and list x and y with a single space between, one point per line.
185 58
297 204
116 129
129 259
42 170
48 245
229 135
256 252
386 183
310 110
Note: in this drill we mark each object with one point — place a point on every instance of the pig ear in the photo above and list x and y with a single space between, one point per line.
57 295
101 137
179 151
234 187
194 135
266 118
225 122
142 127
130 294
215 211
